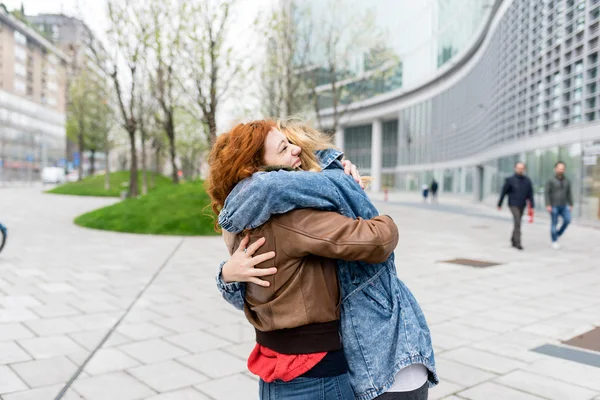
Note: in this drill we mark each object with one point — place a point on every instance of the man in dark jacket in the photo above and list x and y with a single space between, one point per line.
559 201
434 189
519 189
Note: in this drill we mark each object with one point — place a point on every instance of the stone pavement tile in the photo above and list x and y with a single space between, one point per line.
239 387
451 398
109 360
10 381
567 371
448 342
91 322
142 330
89 339
166 376
56 287
482 360
182 324
236 333
49 346
57 299
508 348
486 323
197 341
241 350
461 330
140 314
151 351
11 352
55 310
14 331
49 371
114 386
90 307
19 302
218 317
215 364
443 389
170 310
52 326
461 374
493 391
79 357
184 394
161 298
544 386
116 339
17 315
48 392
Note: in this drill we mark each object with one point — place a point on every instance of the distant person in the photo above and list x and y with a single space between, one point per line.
519 189
434 189
559 202
425 192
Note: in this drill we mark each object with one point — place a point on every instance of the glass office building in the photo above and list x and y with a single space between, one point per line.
521 83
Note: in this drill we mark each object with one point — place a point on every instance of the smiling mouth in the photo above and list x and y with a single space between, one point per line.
298 164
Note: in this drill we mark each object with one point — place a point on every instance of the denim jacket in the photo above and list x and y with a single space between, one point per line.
383 328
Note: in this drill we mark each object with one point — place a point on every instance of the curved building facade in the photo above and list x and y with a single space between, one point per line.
525 88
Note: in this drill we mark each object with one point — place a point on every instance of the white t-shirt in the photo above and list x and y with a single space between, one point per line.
410 378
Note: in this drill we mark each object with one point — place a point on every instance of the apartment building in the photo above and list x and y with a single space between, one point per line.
32 100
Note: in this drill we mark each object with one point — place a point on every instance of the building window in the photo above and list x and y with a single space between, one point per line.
20 53
20 70
19 86
20 38
390 144
357 145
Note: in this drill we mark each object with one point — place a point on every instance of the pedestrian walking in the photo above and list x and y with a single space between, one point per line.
434 189
519 189
559 202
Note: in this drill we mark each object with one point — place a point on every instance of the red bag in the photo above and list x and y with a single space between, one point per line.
530 212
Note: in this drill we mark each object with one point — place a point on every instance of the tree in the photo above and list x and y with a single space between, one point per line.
167 28
288 44
209 61
193 143
129 36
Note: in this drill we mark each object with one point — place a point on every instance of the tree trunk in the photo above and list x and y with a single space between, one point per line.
171 135
80 148
92 162
156 164
212 128
144 176
107 168
133 168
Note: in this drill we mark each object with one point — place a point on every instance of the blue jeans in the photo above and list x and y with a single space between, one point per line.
565 213
332 388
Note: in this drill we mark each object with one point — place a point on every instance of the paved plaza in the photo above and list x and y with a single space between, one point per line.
99 315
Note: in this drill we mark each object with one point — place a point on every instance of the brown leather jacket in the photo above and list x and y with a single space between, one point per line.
306 243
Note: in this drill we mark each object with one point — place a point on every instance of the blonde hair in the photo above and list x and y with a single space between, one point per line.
307 138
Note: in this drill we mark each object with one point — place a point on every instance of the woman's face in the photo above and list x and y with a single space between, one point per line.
279 151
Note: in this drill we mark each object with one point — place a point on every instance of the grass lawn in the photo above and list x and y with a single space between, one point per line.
167 210
94 185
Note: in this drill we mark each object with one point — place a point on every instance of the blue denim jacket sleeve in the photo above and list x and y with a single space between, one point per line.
233 292
255 199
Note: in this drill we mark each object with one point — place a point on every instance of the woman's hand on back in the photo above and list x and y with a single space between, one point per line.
240 267
350 169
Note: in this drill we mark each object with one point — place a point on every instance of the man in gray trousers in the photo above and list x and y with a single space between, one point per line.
559 202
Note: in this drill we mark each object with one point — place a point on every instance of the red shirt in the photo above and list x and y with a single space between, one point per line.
270 365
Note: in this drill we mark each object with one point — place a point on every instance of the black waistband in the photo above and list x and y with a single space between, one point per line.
312 338
333 364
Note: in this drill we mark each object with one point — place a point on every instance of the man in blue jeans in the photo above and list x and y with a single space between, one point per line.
559 201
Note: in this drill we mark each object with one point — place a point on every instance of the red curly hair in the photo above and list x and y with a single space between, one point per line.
235 156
